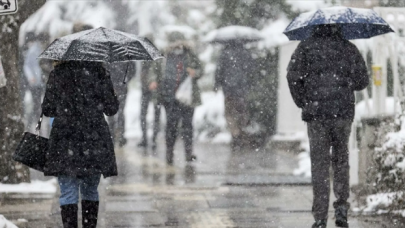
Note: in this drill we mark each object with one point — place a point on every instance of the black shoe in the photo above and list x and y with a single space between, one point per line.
341 216
320 224
69 215
191 158
169 158
154 145
89 213
143 143
122 142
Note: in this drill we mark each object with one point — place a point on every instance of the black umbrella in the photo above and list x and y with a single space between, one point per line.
101 45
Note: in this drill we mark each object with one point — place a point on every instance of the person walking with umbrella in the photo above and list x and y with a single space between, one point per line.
78 93
233 74
323 74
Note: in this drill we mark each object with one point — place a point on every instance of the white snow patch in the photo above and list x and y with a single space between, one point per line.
273 33
4 223
35 186
304 165
380 200
307 5
233 32
362 110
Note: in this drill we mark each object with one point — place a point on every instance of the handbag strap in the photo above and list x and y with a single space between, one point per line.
38 127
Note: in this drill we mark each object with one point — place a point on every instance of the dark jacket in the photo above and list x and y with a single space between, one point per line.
323 74
78 94
175 73
233 70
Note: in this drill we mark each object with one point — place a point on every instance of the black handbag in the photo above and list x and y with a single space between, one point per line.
32 149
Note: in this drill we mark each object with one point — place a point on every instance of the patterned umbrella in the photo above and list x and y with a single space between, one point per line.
355 23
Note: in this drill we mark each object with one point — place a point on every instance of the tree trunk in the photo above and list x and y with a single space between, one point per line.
11 125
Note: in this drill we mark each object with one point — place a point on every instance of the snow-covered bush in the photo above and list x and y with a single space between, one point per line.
386 176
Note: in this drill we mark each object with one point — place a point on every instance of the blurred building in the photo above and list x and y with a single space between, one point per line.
360 3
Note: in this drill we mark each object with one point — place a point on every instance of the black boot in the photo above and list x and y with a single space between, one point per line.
190 157
341 216
69 215
320 223
143 143
89 213
169 156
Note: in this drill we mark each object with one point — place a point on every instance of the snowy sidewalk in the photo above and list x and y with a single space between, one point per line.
222 189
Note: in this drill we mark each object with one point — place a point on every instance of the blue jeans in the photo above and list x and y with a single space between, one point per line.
70 186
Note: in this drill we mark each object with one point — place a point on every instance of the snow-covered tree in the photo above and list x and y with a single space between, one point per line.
11 125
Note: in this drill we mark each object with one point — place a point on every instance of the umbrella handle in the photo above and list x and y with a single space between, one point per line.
125 76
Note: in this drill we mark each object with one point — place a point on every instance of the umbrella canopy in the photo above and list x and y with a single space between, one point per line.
233 33
355 23
101 45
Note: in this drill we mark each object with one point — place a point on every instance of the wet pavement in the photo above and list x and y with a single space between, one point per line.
252 188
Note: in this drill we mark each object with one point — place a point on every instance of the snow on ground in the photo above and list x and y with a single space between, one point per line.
35 186
304 165
4 223
377 201
362 110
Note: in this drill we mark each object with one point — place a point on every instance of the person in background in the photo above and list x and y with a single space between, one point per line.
151 74
181 63
78 94
33 80
233 75
124 72
323 74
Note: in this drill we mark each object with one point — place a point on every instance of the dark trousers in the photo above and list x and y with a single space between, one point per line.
117 122
33 116
325 137
146 98
176 112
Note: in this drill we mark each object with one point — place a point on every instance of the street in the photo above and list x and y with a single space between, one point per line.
253 188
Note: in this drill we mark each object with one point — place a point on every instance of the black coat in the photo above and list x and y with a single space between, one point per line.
323 74
233 70
77 94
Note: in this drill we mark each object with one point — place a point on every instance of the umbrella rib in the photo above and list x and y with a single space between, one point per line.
67 50
109 44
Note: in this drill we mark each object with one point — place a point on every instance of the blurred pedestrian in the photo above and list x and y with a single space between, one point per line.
78 94
121 71
233 75
151 75
33 80
323 74
182 65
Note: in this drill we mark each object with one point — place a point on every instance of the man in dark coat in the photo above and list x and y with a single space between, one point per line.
78 94
233 75
181 63
323 74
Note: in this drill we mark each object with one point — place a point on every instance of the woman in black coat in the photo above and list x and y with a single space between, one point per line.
78 94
